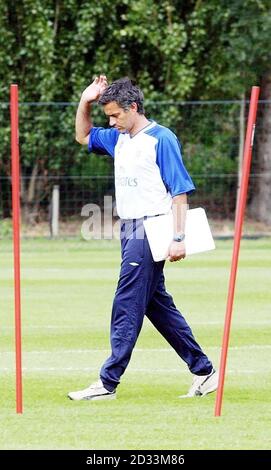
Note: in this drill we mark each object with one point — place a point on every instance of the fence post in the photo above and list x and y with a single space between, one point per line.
54 222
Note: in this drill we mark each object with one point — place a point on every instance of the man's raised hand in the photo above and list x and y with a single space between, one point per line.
95 89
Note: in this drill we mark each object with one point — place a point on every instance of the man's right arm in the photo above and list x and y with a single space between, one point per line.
83 123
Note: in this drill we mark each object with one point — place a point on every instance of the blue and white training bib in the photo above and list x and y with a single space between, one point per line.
149 169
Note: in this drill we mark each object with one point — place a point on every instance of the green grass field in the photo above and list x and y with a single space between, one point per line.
67 290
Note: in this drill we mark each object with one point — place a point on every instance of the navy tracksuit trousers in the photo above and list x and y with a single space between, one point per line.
141 291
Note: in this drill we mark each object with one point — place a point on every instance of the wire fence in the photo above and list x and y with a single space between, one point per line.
76 191
212 135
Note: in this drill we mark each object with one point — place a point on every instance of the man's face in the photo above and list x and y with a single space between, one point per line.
119 118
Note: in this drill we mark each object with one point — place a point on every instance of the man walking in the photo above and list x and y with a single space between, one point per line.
150 179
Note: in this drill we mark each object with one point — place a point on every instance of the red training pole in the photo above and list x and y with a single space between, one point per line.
241 205
15 171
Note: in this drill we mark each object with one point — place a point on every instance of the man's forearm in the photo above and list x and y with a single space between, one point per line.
179 209
83 123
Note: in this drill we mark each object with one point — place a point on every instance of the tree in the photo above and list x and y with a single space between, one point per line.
260 207
240 59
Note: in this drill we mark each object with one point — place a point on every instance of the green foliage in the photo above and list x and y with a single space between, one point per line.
237 46
5 228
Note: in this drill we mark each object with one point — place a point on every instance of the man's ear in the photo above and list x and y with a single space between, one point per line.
134 107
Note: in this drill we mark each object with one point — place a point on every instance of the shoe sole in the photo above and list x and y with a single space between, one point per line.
103 397
97 397
198 396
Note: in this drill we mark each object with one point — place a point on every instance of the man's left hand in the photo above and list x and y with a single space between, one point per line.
176 251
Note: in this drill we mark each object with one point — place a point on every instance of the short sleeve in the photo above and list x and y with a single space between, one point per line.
103 141
169 159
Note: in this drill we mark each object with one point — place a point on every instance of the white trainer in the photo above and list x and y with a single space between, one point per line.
95 391
203 384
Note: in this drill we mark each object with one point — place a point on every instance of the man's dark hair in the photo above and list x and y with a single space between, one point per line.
124 92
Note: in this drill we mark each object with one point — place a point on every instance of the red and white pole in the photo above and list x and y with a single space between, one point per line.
15 172
241 205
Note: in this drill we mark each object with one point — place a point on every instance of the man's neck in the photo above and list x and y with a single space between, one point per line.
140 123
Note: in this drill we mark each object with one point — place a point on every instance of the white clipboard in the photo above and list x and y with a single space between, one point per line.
160 231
